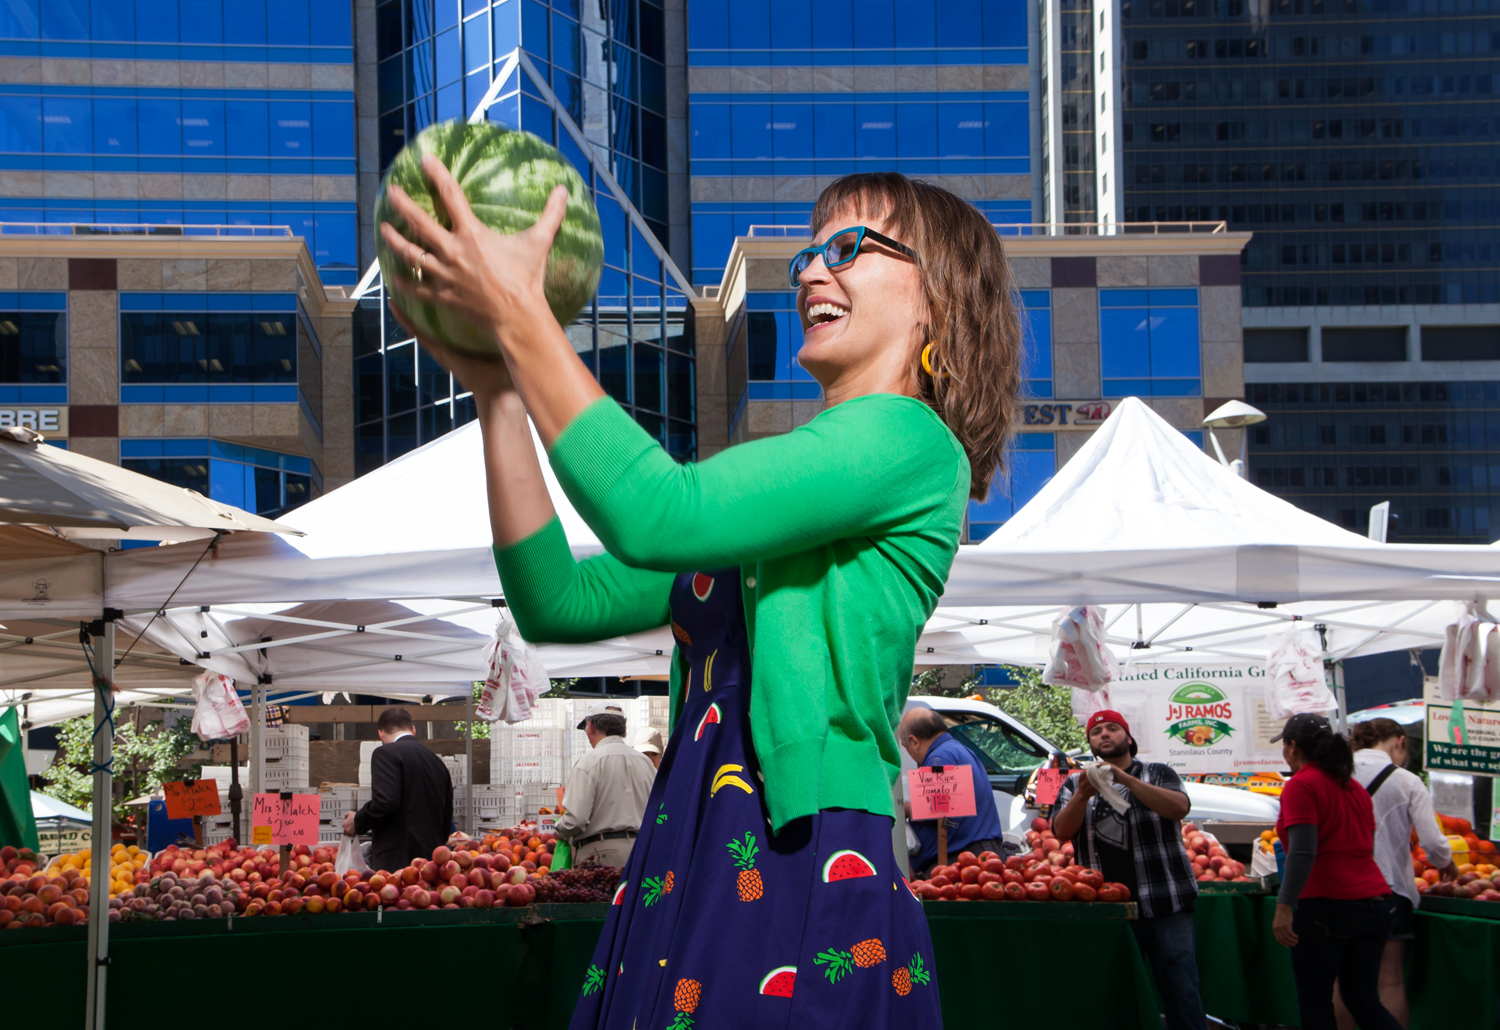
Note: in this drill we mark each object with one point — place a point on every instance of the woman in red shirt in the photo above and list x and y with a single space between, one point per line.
1334 907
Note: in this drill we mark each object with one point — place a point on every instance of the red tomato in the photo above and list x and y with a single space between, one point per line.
940 881
985 878
993 865
970 873
1092 878
1109 892
972 891
1016 862
1015 892
1061 888
1037 892
948 893
992 891
967 858
1083 892
1124 891
1011 876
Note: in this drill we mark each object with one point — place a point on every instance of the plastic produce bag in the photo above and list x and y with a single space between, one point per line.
562 856
516 678
1102 776
219 714
350 856
1080 656
1295 681
1469 669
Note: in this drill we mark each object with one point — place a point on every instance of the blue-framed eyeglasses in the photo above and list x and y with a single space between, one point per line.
839 249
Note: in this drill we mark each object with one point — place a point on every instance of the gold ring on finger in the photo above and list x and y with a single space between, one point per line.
416 269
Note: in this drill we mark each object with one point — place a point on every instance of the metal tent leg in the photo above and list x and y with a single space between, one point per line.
100 833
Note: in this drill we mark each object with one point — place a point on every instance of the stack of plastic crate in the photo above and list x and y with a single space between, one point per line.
285 760
458 769
658 712
537 796
333 803
366 749
218 828
496 807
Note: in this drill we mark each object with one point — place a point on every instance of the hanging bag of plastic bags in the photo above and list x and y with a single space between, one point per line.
219 714
1469 668
1080 656
1295 680
516 678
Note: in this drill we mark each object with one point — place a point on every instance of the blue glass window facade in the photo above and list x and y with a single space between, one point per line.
774 336
1358 140
294 31
1431 449
1148 343
603 64
187 348
34 347
1032 461
1036 309
265 482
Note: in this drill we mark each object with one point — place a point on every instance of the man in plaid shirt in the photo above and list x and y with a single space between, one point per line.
1137 841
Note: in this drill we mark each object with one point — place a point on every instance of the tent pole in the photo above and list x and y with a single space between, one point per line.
1338 693
257 780
102 819
469 762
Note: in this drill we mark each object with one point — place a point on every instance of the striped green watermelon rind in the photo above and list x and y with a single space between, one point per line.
619 893
779 982
847 865
507 176
713 710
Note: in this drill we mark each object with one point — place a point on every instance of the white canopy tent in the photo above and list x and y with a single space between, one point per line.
1192 563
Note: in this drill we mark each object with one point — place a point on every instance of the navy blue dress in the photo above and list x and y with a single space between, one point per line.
719 924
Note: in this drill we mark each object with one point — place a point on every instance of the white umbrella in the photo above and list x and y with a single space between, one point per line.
44 807
85 497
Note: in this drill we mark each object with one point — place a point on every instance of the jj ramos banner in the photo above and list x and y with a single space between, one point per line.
1199 719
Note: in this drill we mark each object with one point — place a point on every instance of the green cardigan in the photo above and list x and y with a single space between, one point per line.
843 529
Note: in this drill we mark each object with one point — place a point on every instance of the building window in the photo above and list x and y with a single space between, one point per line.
1148 343
33 347
1031 463
186 348
1461 343
267 483
774 334
1375 343
1271 346
1036 327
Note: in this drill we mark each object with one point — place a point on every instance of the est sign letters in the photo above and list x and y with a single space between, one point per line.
294 821
185 800
945 794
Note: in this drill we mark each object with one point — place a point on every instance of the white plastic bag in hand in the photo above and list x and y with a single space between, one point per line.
516 678
219 714
1295 681
1080 657
1102 776
350 856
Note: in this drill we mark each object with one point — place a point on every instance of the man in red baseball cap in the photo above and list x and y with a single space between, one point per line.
1131 834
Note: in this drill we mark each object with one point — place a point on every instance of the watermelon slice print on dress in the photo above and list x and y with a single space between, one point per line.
913 893
710 718
847 865
779 982
702 586
620 893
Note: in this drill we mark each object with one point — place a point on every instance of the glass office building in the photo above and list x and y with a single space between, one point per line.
588 78
181 113
1357 138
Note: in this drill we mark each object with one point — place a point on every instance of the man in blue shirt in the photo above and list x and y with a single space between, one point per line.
925 737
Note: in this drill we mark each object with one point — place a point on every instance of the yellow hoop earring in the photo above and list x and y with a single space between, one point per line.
927 361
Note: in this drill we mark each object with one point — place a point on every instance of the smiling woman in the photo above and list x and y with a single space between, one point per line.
796 571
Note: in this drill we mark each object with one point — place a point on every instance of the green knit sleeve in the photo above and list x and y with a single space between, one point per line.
867 467
555 599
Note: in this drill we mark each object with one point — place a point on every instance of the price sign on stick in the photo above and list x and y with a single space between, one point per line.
187 799
292 821
1048 783
942 791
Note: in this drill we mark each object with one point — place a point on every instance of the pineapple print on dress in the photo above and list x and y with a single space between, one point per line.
868 953
748 883
914 972
685 997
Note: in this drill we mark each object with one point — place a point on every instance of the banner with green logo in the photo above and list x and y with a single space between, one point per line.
1200 719
1462 736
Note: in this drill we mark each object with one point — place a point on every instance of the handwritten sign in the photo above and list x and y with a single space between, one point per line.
1048 783
946 794
185 800
292 821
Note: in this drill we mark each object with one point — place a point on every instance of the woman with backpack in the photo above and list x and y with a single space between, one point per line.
1402 804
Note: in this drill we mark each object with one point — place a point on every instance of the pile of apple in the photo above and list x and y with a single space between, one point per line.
1210 861
28 899
1047 873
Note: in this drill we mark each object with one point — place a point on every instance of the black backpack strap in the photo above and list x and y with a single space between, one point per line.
1376 783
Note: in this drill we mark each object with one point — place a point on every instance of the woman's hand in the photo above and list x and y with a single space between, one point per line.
1281 927
488 278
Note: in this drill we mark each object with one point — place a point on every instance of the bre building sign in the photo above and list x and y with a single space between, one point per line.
1462 736
51 420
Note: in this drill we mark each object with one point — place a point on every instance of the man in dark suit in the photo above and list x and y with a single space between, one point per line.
411 796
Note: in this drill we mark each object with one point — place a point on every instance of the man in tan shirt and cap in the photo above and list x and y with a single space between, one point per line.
607 791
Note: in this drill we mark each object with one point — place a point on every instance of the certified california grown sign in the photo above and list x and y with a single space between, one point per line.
1198 715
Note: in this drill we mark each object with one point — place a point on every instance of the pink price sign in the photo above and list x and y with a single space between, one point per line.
290 821
945 791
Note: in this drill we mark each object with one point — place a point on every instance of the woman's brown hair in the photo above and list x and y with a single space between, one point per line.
973 318
1374 732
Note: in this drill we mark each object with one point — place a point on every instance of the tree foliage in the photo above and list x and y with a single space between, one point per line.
147 753
1047 710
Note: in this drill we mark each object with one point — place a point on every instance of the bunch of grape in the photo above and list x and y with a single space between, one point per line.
590 882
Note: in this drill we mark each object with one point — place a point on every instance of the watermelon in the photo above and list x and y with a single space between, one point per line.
507 176
710 718
778 983
847 865
702 586
619 893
